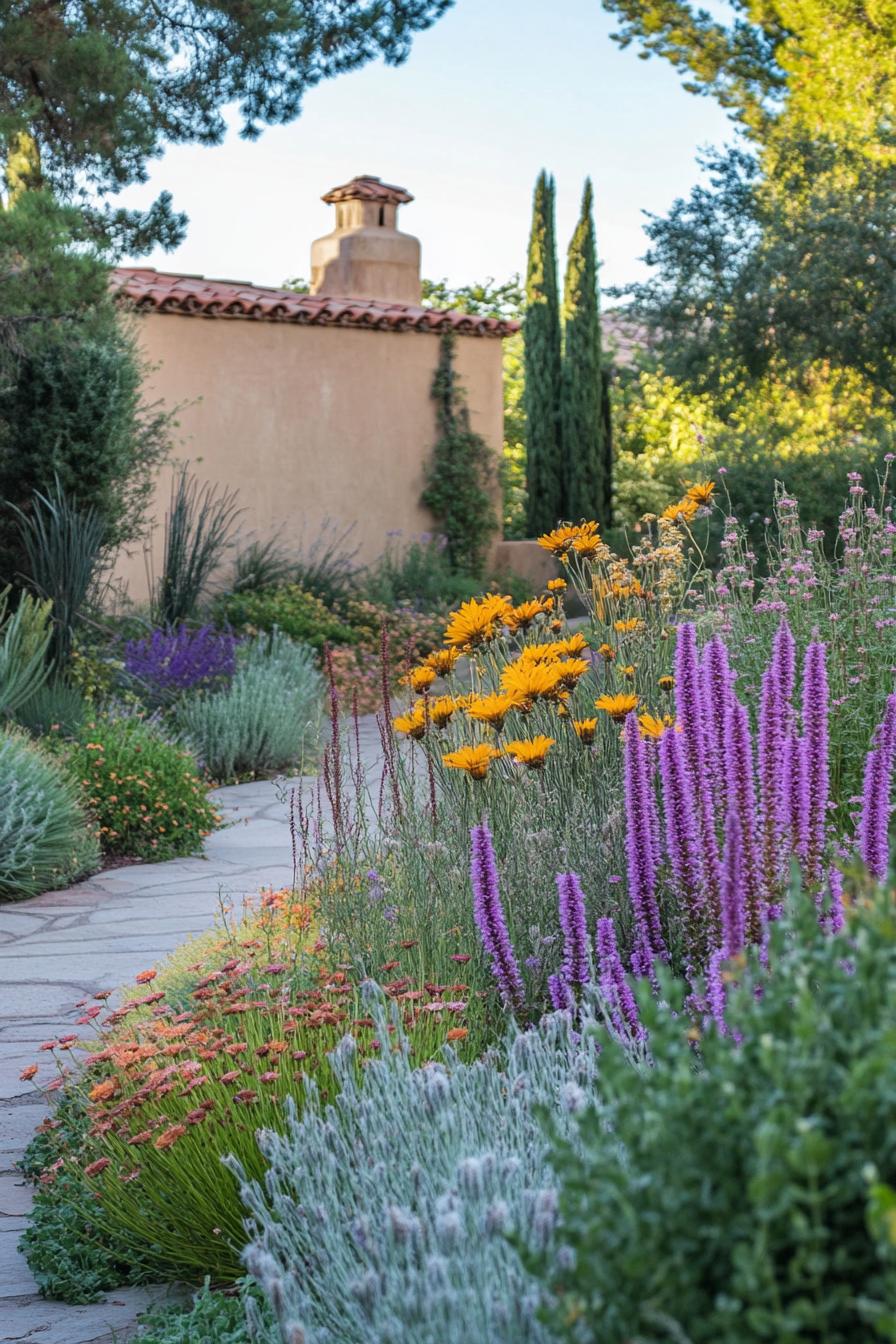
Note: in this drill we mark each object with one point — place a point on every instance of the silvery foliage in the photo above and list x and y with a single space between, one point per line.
268 715
390 1215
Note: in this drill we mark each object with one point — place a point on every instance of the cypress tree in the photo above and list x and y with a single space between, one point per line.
541 332
585 487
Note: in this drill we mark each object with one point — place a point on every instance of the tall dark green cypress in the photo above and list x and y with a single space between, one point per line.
583 426
541 332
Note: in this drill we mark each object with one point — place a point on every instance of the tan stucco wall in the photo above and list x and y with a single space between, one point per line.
308 423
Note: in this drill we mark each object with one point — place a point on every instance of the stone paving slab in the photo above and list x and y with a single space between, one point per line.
64 946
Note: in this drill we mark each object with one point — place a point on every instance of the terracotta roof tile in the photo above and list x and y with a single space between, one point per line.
368 188
194 296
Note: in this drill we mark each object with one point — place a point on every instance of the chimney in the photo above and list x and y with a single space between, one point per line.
365 257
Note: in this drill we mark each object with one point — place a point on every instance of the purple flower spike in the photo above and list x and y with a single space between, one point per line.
691 715
742 795
640 845
614 986
571 899
489 915
718 683
733 888
784 664
682 840
874 819
562 999
773 730
814 781
832 919
715 991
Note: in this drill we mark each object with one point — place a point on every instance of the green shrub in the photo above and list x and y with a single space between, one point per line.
291 609
267 716
146 793
24 640
212 1318
44 837
56 706
199 528
722 1195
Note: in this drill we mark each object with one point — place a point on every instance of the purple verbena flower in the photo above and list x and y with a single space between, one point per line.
489 915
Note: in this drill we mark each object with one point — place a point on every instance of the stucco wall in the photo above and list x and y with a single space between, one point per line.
308 423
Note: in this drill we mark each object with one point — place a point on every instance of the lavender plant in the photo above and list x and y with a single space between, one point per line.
387 1213
167 663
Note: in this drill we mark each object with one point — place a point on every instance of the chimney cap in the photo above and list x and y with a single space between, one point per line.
365 187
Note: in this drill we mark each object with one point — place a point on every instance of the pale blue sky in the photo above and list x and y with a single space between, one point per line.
495 90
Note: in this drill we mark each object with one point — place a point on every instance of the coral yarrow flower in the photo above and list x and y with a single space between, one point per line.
170 1136
457 1034
701 492
145 977
492 709
476 621
530 752
28 1073
475 760
585 730
617 706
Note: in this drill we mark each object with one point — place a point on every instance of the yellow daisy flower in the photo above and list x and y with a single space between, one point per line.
521 617
476 621
529 681
441 709
413 724
442 661
585 730
683 511
492 709
530 752
666 683
420 678
617 706
475 760
651 726
701 492
629 626
607 652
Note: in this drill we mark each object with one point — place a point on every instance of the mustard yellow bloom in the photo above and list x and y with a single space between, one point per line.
587 545
585 730
420 678
413 724
476 621
556 627
701 492
441 709
607 652
529 681
628 627
683 511
530 751
628 671
556 585
617 706
561 540
521 617
442 661
572 645
492 709
475 760
651 726
666 683
568 672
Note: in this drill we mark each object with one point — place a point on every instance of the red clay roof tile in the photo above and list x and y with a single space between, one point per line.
368 188
194 296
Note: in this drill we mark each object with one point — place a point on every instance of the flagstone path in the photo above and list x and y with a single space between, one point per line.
64 946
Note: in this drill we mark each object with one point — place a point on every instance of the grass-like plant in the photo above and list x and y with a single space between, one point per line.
261 565
64 544
25 636
56 706
145 792
265 719
199 527
45 839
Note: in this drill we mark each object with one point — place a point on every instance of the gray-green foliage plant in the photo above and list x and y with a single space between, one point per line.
45 840
211 1318
54 706
265 719
736 1200
387 1214
199 528
63 542
24 640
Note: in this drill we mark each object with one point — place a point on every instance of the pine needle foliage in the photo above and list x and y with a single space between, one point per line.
541 330
585 488
460 473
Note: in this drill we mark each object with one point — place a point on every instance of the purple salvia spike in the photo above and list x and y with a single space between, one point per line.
640 845
692 721
614 986
834 915
734 912
562 999
742 800
718 682
874 818
489 915
571 900
885 737
682 840
784 663
772 779
814 780
792 777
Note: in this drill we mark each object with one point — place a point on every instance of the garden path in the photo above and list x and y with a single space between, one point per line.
64 946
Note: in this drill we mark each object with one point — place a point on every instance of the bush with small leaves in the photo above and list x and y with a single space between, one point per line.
45 839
